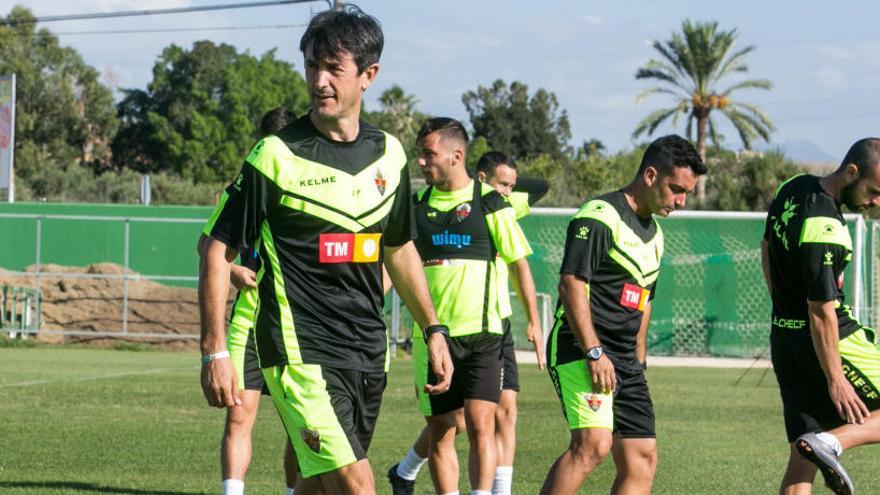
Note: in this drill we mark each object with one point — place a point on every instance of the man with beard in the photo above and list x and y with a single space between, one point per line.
827 364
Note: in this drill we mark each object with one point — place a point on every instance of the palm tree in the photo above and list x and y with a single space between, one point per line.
692 65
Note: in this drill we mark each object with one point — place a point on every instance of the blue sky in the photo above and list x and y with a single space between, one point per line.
823 57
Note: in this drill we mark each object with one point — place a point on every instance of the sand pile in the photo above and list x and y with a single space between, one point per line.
96 304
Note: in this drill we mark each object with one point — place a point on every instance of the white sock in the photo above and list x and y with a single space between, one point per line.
289 491
233 487
480 492
503 480
451 493
832 441
409 467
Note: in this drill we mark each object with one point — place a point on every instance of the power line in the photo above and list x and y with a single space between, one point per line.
177 10
171 30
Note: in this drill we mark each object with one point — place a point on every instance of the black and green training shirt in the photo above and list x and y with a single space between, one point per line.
463 236
617 253
809 247
322 211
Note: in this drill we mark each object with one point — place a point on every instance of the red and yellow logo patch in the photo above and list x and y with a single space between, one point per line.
349 248
594 401
634 297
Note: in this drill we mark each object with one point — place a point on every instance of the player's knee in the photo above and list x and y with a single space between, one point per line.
644 464
239 420
590 452
506 414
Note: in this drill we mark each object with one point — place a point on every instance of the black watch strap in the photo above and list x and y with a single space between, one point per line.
432 329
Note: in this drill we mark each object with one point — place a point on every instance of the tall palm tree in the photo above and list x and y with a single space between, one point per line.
692 65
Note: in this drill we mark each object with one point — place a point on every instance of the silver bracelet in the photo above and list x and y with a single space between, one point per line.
213 357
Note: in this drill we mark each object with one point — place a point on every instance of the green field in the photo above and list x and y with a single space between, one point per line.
86 421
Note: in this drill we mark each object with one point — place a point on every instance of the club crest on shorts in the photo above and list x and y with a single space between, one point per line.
594 401
312 438
462 211
381 182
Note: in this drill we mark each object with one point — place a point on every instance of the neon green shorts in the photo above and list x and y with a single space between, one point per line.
329 413
581 407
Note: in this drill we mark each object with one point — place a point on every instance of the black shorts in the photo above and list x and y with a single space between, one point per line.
510 374
633 407
477 375
806 404
252 374
356 397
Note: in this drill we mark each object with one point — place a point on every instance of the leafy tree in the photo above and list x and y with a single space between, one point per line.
746 181
517 124
65 119
399 116
691 68
201 112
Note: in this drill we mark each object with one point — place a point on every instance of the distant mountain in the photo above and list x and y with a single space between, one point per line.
802 151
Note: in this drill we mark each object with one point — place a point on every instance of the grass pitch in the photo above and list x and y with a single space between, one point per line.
85 421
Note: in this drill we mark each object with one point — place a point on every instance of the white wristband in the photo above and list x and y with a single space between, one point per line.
213 357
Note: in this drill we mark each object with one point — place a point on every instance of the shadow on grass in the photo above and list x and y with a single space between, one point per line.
69 486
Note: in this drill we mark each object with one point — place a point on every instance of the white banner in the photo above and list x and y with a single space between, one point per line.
7 133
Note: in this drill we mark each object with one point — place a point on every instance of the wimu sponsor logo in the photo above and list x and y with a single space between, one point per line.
451 239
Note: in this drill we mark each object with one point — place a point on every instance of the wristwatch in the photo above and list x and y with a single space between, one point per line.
432 329
594 353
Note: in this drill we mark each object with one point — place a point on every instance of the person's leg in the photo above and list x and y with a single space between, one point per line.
291 467
442 458
353 479
479 418
235 450
505 415
505 440
588 448
635 443
235 447
860 358
799 475
636 462
316 405
590 417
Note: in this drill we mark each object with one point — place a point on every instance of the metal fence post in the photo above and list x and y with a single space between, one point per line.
38 255
125 278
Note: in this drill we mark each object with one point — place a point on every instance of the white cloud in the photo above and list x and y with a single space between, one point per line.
593 19
831 78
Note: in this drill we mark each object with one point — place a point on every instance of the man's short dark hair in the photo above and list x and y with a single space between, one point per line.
447 127
668 152
491 160
864 154
275 120
350 29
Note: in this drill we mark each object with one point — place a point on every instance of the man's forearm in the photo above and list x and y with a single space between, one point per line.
213 292
405 269
576 301
826 338
524 284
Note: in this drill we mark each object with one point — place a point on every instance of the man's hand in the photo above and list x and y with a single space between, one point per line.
242 277
219 383
441 364
848 404
534 335
602 375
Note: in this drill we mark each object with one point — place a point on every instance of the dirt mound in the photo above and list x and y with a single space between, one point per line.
94 302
